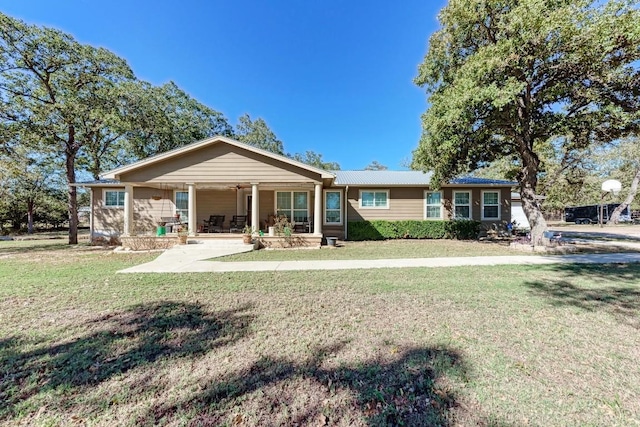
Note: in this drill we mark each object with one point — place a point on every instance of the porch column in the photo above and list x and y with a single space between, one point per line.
255 214
128 210
193 214
317 211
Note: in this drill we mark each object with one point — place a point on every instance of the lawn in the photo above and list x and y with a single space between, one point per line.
503 346
381 250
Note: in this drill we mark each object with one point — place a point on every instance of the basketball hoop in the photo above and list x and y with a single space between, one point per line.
612 186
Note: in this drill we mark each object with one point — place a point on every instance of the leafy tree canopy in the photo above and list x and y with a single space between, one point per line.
52 89
257 133
314 159
375 166
505 77
165 117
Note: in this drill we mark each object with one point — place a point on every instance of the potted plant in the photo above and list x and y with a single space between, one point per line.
161 228
182 236
247 234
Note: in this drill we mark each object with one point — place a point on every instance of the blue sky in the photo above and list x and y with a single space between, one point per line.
332 76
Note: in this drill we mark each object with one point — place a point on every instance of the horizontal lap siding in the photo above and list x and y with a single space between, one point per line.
267 207
221 163
404 203
476 203
147 212
215 202
106 221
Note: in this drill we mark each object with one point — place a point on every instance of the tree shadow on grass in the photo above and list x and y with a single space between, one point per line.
617 292
28 247
415 388
116 344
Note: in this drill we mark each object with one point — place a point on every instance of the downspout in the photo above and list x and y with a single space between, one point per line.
346 204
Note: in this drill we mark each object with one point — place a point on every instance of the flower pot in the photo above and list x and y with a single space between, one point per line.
246 239
182 239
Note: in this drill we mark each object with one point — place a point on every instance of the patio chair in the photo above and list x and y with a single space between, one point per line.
303 226
214 224
238 223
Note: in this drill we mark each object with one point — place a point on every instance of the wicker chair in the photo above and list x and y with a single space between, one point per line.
238 223
214 224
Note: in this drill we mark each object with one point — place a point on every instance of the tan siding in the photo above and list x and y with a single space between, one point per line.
476 202
267 203
333 231
215 202
106 221
221 163
408 203
404 203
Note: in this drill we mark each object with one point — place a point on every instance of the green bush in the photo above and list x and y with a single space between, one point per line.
462 229
413 229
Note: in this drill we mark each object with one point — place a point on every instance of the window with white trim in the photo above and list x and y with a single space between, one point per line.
490 205
114 198
182 205
293 204
462 205
433 205
374 199
333 207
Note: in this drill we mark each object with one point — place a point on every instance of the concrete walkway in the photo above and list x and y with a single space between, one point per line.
189 258
184 258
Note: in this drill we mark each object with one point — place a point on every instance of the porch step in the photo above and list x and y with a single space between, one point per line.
217 243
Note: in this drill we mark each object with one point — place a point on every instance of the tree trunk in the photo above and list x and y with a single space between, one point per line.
70 153
615 216
528 179
30 209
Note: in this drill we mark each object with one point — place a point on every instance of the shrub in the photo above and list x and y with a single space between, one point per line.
462 229
413 229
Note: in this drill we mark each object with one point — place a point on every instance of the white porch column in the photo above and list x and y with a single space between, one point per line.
317 211
255 210
193 214
128 210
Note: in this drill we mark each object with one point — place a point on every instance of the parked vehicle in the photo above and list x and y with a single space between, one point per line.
590 214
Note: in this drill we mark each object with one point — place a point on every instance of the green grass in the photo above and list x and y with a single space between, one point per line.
504 346
384 249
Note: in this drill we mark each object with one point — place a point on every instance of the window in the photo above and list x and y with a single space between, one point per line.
182 205
333 207
293 204
490 205
374 199
114 198
461 205
433 205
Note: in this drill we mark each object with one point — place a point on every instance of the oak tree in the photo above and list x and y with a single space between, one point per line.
504 77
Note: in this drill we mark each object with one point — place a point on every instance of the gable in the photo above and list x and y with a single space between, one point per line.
219 163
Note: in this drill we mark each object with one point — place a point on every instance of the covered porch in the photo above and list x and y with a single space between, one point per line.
190 206
217 177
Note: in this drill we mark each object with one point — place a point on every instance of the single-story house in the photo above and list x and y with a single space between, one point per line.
221 176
